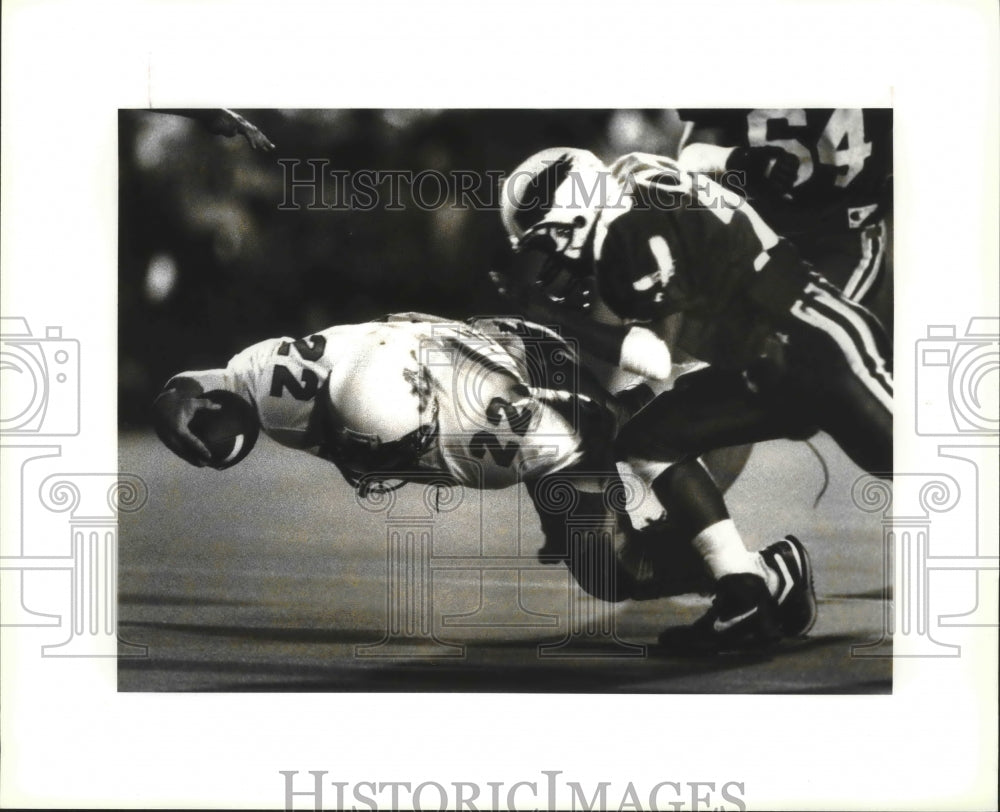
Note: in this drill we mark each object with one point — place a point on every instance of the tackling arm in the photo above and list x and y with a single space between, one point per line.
632 347
702 150
705 150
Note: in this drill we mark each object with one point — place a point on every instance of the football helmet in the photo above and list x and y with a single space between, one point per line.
552 202
382 412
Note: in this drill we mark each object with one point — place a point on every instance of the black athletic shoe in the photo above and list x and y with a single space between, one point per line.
743 617
796 597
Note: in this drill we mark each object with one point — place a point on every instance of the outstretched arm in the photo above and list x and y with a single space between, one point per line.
174 407
220 121
705 150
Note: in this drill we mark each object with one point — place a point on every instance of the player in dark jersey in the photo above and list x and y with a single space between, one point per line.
819 177
788 353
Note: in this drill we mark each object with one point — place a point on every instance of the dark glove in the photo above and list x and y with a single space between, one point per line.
768 166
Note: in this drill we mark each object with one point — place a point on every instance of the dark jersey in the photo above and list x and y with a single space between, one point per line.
845 163
686 245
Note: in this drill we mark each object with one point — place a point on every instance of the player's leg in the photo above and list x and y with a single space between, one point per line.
581 530
658 563
726 464
840 360
856 262
705 410
879 298
693 338
871 274
607 557
709 409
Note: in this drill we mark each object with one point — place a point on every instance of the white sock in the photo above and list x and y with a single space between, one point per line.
722 548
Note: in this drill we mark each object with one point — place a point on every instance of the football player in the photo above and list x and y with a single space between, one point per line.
821 178
486 404
788 354
408 395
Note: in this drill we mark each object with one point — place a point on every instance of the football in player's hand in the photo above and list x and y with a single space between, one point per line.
229 433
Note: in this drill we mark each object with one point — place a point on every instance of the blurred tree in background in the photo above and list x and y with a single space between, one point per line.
210 260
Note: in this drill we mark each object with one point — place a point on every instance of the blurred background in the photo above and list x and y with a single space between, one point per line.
217 251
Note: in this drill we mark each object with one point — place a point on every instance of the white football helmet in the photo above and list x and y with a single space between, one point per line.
552 201
383 410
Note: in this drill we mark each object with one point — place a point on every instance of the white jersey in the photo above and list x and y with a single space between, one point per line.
473 383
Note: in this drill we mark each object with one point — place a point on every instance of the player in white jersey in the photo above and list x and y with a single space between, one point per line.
407 395
486 404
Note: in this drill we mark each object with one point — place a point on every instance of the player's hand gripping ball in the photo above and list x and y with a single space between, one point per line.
228 433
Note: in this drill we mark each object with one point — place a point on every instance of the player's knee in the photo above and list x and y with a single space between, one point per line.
635 441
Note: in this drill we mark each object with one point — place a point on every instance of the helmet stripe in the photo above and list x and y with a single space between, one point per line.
539 194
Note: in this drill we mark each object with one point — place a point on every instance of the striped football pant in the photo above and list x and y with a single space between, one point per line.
833 373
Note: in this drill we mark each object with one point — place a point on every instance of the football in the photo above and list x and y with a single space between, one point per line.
230 432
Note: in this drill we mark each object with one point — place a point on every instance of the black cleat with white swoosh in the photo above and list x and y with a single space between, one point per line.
796 597
743 617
